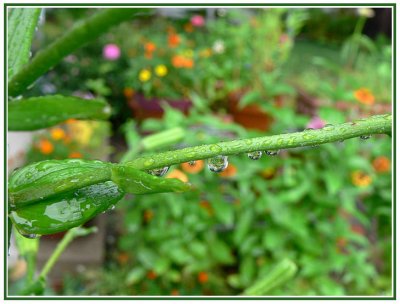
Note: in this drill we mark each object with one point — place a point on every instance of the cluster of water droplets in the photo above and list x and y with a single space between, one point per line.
218 163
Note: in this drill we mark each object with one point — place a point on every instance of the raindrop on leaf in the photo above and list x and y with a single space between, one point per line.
272 153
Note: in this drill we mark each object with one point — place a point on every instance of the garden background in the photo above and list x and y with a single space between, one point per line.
204 75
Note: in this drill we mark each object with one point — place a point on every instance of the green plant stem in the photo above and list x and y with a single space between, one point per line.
379 124
66 240
84 32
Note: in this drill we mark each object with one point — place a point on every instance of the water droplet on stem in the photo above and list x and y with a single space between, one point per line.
218 164
159 172
256 155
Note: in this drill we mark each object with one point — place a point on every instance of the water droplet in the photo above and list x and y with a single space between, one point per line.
365 137
112 207
30 236
148 162
255 155
215 148
159 171
218 163
192 163
272 152
329 127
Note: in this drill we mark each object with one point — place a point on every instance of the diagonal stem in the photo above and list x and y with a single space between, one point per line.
379 124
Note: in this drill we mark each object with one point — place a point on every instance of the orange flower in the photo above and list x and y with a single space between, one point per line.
381 164
341 244
148 215
188 27
149 47
57 133
75 155
364 96
174 292
123 258
173 40
202 277
230 171
70 121
45 146
128 93
360 179
268 173
151 275
358 229
178 174
207 206
179 61
193 169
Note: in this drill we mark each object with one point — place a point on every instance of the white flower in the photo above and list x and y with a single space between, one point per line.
365 12
219 47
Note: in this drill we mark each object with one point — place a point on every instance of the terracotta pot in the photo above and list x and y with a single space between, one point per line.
251 116
143 107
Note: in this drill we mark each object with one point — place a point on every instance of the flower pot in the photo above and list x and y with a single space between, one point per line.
143 108
251 116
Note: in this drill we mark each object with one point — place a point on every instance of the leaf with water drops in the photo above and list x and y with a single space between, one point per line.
135 181
48 178
218 164
62 212
255 155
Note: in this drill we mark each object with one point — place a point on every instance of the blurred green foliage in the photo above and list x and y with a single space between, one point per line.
327 209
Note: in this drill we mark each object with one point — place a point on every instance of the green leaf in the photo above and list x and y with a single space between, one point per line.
46 111
221 252
284 271
82 33
138 182
21 27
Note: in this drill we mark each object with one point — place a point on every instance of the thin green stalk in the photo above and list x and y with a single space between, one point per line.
62 245
37 287
379 124
84 32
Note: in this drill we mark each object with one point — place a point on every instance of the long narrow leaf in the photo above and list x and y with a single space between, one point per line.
21 27
84 32
46 111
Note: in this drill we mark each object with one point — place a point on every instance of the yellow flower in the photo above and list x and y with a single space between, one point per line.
161 70
144 75
57 133
82 131
360 179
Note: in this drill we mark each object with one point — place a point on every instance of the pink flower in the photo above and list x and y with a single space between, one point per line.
111 52
197 20
316 123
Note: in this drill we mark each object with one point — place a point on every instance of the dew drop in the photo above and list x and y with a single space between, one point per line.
329 127
215 148
365 137
272 152
112 207
255 155
218 164
30 235
149 162
159 171
192 163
